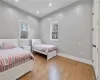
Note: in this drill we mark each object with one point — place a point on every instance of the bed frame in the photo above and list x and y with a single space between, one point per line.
48 54
18 71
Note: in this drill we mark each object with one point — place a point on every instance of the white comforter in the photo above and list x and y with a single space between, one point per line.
44 48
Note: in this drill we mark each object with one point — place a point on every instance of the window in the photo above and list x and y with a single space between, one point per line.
23 30
54 31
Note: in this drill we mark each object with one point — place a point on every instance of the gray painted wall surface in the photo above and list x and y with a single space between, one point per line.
75 25
9 22
75 29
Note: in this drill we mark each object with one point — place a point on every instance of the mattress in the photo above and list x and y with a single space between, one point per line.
10 58
44 48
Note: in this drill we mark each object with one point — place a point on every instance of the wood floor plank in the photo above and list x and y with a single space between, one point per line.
59 68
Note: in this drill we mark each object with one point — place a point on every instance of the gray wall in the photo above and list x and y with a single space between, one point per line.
9 22
75 25
75 29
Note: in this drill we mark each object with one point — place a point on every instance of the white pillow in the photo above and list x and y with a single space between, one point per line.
8 45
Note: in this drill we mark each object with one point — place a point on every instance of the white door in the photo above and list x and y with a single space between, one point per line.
95 36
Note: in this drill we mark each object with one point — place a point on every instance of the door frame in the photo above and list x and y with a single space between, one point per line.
95 44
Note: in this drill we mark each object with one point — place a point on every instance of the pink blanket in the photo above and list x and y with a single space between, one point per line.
13 57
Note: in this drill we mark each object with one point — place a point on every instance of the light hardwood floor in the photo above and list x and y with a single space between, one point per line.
59 68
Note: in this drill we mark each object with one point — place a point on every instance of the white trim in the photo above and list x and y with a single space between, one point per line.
95 36
76 58
95 71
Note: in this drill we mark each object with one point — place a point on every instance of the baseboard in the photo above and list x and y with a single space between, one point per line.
95 71
76 58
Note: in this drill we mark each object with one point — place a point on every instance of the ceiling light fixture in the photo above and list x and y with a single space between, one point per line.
37 12
50 4
49 19
16 0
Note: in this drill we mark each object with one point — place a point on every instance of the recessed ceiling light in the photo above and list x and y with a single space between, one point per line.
37 12
79 43
50 4
49 19
82 53
16 0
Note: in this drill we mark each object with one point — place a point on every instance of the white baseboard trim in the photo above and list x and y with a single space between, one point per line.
76 58
96 74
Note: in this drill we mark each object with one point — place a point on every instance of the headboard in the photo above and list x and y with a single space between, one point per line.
15 41
36 41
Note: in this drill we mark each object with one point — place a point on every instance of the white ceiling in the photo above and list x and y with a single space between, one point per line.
40 8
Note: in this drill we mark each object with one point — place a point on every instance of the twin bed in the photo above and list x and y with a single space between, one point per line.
49 50
14 62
